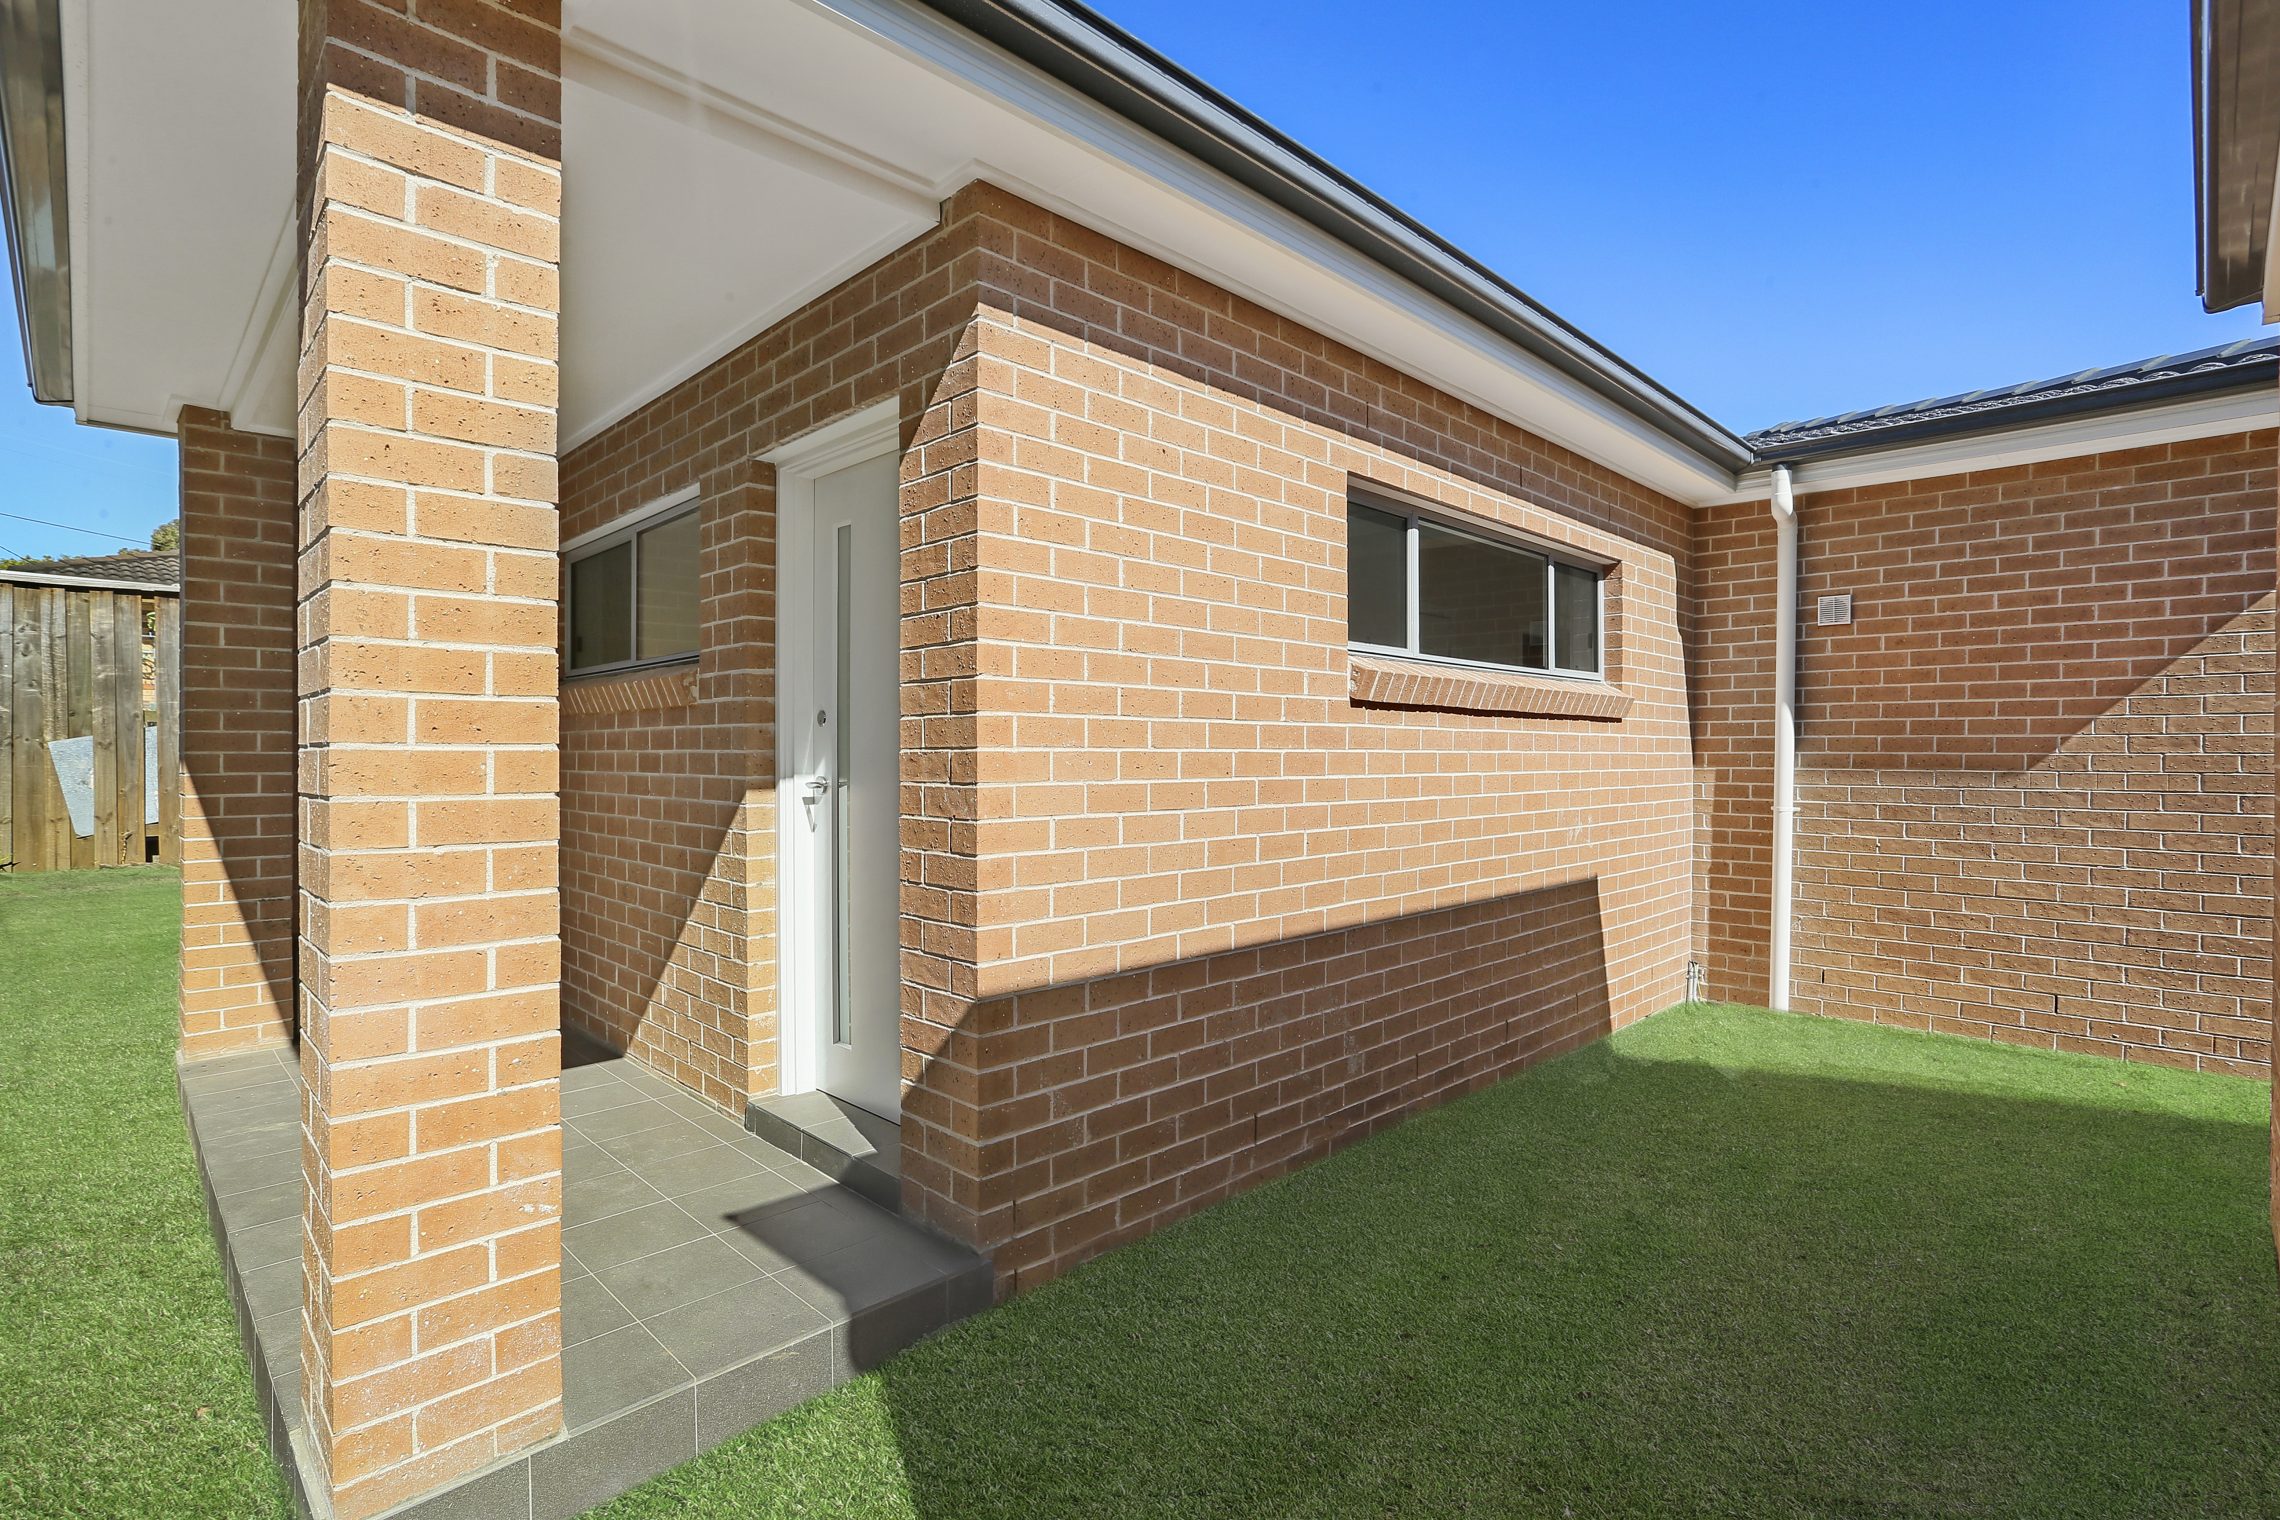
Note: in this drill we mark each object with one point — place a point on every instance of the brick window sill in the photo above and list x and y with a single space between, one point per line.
655 686
1379 681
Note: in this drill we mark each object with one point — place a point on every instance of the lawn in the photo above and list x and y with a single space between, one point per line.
123 1391
1723 1263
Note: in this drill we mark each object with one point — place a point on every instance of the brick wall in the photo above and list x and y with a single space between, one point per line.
668 788
1231 917
2035 773
1135 773
429 954
238 542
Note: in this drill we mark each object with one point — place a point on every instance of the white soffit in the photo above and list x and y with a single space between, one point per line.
898 95
179 129
2168 422
726 161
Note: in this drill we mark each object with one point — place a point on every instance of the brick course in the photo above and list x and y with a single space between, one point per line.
2034 774
429 953
238 542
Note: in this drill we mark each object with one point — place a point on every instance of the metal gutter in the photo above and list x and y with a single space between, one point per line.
1092 56
32 184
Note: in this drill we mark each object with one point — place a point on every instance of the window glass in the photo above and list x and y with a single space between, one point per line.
601 608
667 600
1478 601
1377 577
1575 607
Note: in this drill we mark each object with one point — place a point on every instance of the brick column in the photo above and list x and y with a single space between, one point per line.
430 952
237 737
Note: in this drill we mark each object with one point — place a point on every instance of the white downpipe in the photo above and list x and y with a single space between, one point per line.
1784 730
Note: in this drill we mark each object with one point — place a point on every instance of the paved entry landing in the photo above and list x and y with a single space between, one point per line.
710 1280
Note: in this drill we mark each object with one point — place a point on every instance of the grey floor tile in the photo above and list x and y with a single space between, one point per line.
732 1402
614 1372
279 1200
613 1122
267 1243
594 1465
780 1238
645 1150
700 1169
728 1127
636 1232
597 1101
667 1279
243 1171
589 1309
862 1275
232 1074
634 1074
716 1333
581 1079
590 1194
724 1205
273 1289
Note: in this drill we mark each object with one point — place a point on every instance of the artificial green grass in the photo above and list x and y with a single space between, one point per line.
1723 1263
123 1390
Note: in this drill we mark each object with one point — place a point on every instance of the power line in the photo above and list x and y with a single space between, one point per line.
74 528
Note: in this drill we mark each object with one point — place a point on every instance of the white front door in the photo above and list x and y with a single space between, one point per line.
841 723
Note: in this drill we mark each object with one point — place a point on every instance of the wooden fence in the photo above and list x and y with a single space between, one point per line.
99 664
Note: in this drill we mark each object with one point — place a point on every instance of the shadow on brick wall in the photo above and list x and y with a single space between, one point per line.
1058 1123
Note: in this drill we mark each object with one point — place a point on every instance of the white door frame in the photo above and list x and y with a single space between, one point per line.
874 431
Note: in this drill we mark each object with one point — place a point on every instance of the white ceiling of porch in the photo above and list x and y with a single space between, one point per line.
725 161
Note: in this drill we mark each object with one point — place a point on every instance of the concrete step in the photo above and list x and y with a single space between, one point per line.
851 1146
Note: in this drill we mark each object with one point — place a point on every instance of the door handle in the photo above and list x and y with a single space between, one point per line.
813 789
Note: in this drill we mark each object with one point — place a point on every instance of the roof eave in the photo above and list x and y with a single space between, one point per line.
2198 383
33 203
1090 55
2236 146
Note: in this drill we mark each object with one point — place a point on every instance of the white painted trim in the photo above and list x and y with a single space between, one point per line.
633 519
867 434
858 436
78 105
86 583
2168 422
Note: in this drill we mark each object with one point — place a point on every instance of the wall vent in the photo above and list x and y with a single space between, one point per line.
1836 609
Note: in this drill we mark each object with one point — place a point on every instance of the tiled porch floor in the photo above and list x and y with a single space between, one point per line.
710 1281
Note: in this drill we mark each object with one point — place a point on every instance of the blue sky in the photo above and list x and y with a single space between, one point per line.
1777 208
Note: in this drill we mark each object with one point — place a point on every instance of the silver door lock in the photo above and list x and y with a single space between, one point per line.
816 788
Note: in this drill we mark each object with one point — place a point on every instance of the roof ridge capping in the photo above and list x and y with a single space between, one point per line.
2240 365
1090 54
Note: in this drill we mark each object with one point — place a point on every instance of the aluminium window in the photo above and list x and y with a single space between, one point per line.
633 593
1422 589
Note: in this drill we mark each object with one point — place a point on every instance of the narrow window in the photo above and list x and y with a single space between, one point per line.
1575 623
1377 577
1428 590
633 595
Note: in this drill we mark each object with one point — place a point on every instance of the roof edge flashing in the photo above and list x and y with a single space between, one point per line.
1084 52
